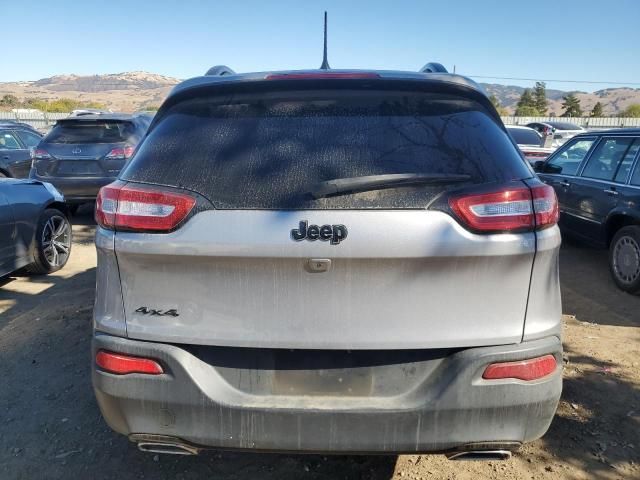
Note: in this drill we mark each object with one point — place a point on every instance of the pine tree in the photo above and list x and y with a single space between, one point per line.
571 106
597 110
526 105
540 98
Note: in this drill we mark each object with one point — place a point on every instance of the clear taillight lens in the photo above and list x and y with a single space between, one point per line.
125 207
508 210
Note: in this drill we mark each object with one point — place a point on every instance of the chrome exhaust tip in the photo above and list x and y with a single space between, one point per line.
163 444
480 455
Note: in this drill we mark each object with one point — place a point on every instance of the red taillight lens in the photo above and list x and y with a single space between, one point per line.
321 76
527 370
126 207
123 364
120 153
508 210
545 206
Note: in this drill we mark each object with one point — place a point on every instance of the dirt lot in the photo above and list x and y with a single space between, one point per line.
50 426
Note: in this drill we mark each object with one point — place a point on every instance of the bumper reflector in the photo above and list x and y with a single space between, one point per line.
124 364
531 369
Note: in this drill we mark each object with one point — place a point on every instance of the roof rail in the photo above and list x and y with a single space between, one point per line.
219 71
433 67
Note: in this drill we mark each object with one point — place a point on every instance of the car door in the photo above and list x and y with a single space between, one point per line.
15 156
596 191
560 171
30 140
7 229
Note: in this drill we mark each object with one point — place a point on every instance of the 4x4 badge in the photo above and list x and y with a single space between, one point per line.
160 313
332 233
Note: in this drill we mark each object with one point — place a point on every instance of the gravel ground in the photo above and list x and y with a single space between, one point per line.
50 426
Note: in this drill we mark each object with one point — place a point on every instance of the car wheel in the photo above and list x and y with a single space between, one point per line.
53 243
2 175
624 259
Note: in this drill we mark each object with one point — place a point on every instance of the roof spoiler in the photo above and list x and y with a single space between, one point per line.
433 67
219 71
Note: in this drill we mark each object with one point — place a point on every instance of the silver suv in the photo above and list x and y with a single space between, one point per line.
328 261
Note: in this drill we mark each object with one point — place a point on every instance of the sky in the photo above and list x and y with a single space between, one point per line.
579 40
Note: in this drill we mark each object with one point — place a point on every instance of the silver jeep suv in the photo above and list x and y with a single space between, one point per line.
328 261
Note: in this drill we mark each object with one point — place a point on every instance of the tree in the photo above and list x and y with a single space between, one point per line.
597 110
632 110
526 105
496 103
9 100
540 98
571 106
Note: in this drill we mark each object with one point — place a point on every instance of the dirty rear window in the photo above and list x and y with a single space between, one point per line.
269 150
91 132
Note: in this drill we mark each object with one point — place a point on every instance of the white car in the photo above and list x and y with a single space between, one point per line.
530 143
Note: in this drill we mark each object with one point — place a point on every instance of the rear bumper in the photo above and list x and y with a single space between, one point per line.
77 189
431 403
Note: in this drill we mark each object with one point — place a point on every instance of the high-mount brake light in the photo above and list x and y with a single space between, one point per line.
527 370
125 364
321 76
514 209
125 207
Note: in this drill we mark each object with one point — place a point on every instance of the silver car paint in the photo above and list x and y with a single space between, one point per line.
402 279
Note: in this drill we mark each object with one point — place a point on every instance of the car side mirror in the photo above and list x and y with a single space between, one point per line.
538 166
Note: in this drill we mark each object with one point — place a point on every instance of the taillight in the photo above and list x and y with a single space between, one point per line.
545 206
125 207
120 153
124 364
527 370
321 76
41 154
508 210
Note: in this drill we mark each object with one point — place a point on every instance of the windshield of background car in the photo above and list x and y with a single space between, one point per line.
269 150
102 131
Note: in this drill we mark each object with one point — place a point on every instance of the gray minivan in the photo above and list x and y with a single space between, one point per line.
328 261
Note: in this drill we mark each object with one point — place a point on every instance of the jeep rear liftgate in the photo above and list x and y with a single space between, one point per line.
403 279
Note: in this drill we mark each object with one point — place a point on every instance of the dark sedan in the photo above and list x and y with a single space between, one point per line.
36 233
81 154
596 176
17 141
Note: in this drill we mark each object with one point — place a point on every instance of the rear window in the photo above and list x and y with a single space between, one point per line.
565 126
525 136
269 150
91 132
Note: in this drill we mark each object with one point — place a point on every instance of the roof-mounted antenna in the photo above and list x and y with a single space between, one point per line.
325 63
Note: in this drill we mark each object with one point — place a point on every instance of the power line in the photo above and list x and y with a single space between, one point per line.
552 80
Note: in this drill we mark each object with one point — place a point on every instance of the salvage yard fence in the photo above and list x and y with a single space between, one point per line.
43 120
586 122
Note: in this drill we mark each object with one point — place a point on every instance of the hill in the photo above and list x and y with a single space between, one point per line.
129 91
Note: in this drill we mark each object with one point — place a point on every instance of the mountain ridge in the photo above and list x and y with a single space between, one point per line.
129 91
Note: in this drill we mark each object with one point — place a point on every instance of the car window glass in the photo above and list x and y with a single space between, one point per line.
635 178
525 136
8 141
627 161
28 138
603 163
567 160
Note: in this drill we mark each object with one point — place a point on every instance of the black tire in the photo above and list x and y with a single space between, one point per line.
53 243
2 175
624 259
